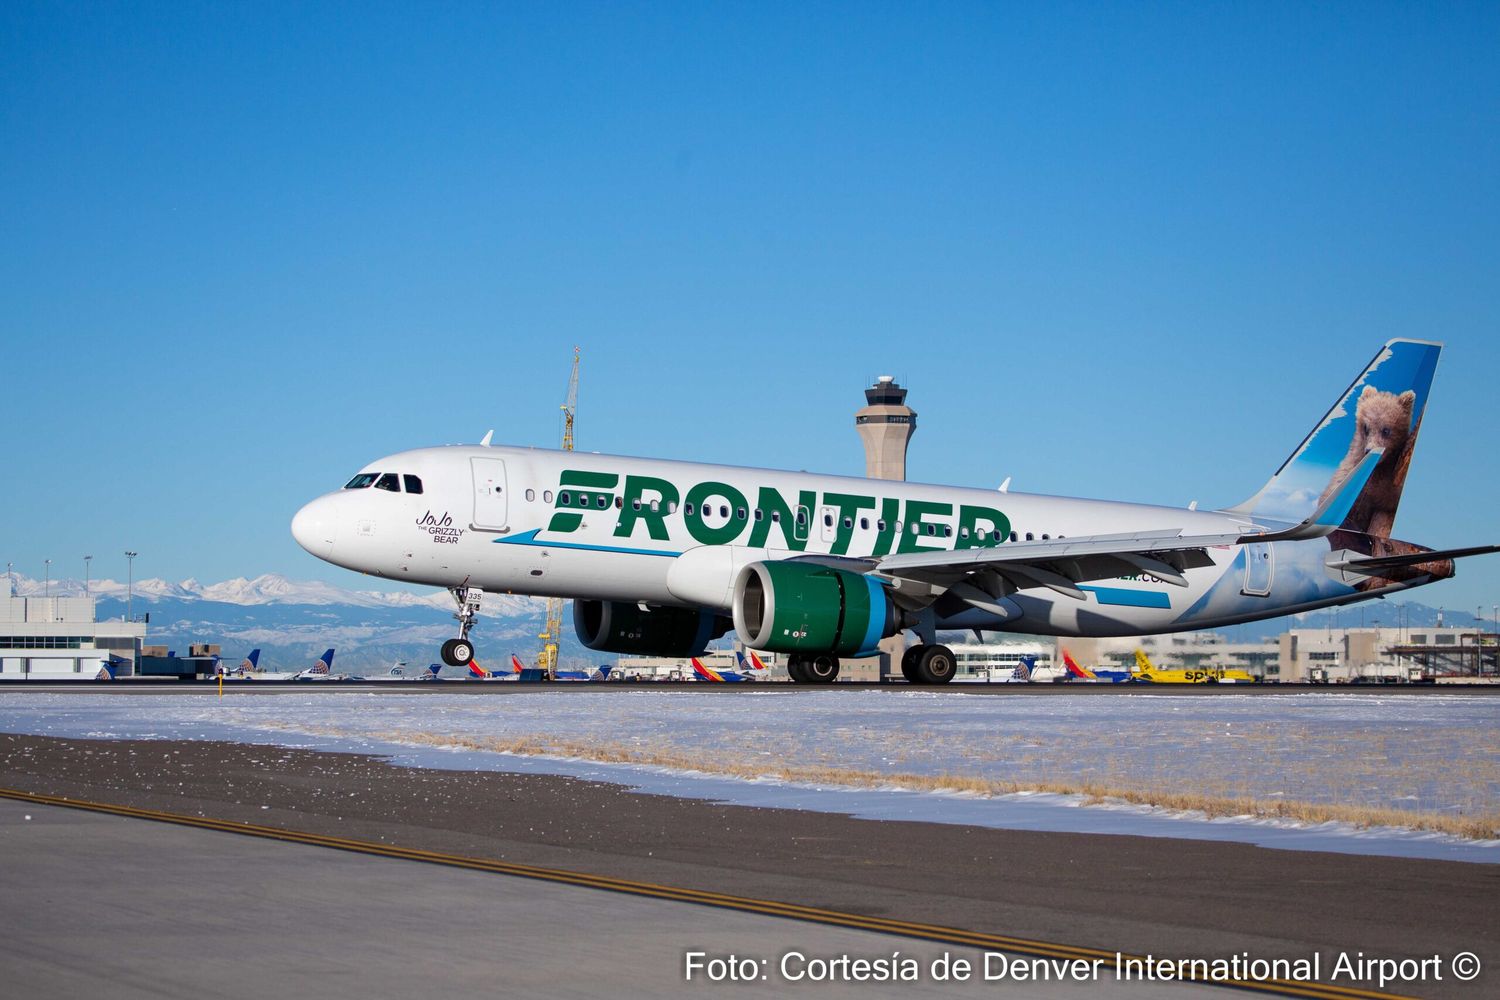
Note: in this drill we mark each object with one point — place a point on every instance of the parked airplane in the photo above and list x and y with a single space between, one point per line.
1099 675
1028 671
1144 672
397 672
706 673
661 557
751 664
321 670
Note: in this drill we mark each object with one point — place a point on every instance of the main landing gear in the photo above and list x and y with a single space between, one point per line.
929 664
819 668
460 652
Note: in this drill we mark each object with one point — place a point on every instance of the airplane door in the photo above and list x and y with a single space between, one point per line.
1260 567
799 524
490 501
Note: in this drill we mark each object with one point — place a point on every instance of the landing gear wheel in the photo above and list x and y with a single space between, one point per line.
458 652
909 664
936 665
795 669
821 669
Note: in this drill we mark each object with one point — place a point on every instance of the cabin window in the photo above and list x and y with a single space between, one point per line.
739 512
947 531
880 524
546 496
687 510
1029 537
848 523
724 511
601 501
1046 537
388 482
1014 537
775 517
565 499
864 524
671 506
635 504
619 503
655 506
801 517
530 495
760 515
964 532
361 481
827 520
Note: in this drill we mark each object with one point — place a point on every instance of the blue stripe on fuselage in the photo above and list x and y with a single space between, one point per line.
529 538
1129 598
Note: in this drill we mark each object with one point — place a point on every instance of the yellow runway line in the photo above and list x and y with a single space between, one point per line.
790 911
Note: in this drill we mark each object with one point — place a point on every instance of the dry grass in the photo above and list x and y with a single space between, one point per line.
1476 825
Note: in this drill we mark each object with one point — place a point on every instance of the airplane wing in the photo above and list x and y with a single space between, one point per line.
983 576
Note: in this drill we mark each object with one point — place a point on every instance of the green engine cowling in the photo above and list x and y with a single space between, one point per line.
618 627
798 607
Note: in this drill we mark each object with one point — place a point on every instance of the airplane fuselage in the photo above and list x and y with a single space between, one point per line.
618 529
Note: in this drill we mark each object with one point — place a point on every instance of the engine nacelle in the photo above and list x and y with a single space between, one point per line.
617 627
792 607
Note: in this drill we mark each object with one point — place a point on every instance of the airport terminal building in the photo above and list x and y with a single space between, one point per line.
57 638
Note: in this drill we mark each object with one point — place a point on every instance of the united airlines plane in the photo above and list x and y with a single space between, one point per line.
662 557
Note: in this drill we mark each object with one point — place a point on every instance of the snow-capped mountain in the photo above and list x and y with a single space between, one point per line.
270 588
294 621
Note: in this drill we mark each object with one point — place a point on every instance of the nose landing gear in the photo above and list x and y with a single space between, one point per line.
460 652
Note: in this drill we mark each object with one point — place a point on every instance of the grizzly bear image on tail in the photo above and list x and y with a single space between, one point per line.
1381 420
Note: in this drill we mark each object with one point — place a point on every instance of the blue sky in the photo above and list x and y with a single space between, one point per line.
1127 251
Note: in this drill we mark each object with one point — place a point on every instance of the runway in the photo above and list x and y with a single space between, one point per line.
1133 894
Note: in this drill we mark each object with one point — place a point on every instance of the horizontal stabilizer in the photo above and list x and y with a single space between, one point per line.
1375 564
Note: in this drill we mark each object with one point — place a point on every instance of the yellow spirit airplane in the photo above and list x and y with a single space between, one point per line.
1144 672
662 557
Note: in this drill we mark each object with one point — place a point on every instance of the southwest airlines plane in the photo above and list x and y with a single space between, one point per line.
662 557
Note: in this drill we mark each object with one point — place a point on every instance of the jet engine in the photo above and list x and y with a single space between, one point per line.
618 627
798 607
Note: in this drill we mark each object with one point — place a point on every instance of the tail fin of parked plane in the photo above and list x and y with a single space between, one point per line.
478 671
1380 414
704 673
251 661
324 664
433 669
1077 671
515 664
1024 668
1142 665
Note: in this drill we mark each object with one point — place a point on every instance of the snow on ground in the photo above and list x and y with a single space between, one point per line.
1433 754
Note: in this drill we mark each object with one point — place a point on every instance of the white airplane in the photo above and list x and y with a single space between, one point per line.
661 557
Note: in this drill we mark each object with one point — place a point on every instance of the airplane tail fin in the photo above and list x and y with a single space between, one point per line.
251 661
515 664
1075 669
433 669
1142 665
1379 414
1024 668
477 670
703 673
324 664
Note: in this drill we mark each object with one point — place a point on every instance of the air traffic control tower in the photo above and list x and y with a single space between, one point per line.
886 424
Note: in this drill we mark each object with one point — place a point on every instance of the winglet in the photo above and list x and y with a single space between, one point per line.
484 442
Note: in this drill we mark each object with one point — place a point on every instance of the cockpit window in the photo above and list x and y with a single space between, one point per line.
361 481
413 484
388 481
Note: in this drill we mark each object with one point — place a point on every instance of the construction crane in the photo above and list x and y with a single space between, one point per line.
547 661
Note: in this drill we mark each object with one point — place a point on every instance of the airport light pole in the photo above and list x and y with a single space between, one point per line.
86 577
47 587
10 579
130 585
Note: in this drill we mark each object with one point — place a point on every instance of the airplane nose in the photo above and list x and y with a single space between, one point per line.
314 527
